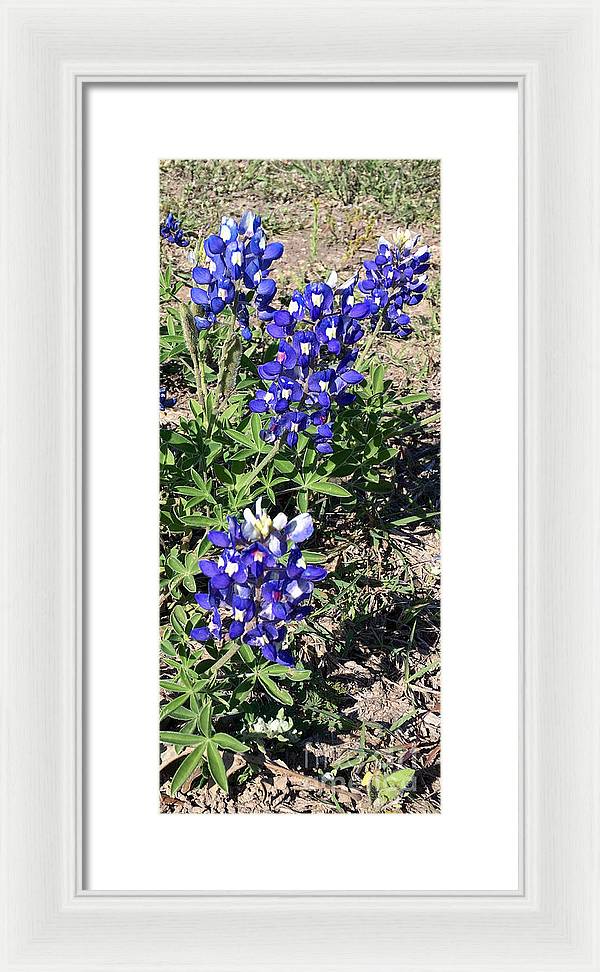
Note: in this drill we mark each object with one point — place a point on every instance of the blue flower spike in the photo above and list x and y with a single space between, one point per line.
172 232
312 375
238 261
260 582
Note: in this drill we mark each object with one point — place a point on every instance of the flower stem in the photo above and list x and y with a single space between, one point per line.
364 357
200 378
266 459
224 659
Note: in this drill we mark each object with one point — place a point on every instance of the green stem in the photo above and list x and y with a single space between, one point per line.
266 459
200 379
224 659
364 357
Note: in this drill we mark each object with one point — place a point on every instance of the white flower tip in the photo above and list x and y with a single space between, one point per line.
280 521
332 279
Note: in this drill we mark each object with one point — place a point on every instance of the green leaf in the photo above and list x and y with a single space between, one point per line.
400 779
281 695
187 767
240 437
347 761
173 704
414 519
204 718
284 465
330 489
255 427
245 652
195 407
182 739
297 674
216 766
225 741
243 690
378 379
409 399
178 619
173 686
194 520
312 557
430 667
400 722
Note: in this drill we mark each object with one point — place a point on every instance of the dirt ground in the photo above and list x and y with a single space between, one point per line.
376 697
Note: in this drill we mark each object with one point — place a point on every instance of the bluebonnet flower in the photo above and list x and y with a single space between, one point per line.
312 375
172 232
236 275
164 401
396 278
311 371
260 582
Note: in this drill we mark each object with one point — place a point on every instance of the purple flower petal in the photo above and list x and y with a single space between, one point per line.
218 538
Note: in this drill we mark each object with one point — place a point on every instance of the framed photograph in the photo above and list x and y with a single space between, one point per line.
302 518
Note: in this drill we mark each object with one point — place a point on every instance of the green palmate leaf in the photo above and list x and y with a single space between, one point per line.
178 619
182 713
201 483
173 705
378 373
222 474
245 652
280 694
282 671
330 489
244 689
187 767
296 674
204 718
182 739
240 437
225 741
171 686
284 465
216 766
255 426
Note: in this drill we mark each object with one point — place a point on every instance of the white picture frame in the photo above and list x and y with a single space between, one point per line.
49 53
